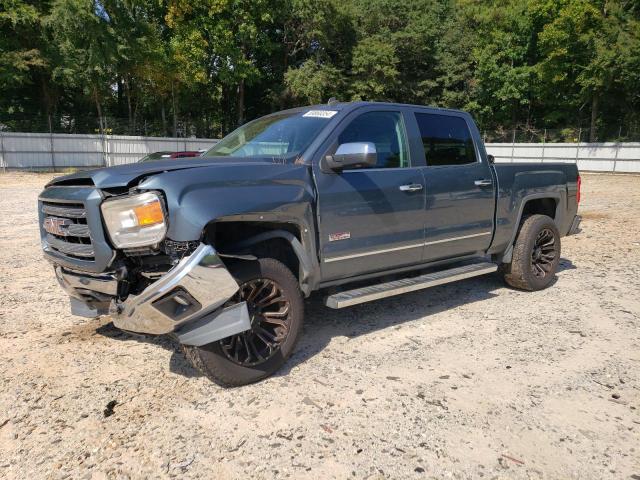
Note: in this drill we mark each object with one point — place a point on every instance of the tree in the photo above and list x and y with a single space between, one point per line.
139 52
221 42
87 46
315 82
24 66
19 42
585 48
503 58
317 39
395 57
211 64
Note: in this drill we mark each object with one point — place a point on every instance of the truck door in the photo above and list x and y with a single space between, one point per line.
459 187
372 218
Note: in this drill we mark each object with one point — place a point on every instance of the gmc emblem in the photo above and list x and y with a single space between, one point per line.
55 225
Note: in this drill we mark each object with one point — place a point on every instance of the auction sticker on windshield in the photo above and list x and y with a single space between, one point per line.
320 113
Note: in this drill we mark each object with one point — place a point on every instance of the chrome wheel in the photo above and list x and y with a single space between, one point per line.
269 310
544 253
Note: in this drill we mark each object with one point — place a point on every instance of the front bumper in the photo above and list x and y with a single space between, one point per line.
191 293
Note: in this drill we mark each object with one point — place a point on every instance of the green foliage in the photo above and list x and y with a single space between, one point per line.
201 67
504 72
314 82
20 47
87 46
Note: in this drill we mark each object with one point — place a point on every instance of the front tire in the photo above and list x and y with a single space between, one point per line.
276 308
536 254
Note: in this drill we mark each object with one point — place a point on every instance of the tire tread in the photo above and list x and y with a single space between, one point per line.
517 273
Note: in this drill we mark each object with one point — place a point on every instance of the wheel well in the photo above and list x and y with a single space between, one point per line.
225 236
542 206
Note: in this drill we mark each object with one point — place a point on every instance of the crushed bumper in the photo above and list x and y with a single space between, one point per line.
91 294
186 298
200 280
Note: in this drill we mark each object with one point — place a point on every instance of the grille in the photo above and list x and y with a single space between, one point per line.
139 251
67 231
179 249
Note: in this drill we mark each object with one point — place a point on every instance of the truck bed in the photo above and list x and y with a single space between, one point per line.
519 183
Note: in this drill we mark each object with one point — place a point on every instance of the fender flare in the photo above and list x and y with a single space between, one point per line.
506 256
298 249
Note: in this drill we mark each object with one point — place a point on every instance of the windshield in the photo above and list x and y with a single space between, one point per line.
282 136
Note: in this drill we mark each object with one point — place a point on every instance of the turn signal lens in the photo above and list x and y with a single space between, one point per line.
149 214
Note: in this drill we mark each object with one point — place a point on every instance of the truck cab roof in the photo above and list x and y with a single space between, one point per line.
350 106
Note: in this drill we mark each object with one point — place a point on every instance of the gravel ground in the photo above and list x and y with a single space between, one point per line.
466 380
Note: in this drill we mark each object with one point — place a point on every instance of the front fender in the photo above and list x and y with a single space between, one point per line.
198 196
304 259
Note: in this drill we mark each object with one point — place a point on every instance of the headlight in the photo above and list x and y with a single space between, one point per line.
135 221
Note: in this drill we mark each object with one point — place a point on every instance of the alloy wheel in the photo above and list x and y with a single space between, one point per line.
269 310
544 253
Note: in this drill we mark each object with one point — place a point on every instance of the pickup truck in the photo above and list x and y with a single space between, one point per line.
359 201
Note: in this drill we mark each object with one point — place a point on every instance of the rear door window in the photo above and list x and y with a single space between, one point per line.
446 140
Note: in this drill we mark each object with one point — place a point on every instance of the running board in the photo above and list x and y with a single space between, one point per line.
404 285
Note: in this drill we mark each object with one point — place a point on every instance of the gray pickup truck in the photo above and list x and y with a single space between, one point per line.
219 251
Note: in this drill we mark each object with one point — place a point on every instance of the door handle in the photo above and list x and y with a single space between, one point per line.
412 187
483 183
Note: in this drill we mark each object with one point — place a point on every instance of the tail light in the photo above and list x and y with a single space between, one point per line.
578 192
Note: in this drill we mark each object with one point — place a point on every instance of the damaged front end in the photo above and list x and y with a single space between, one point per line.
180 288
189 300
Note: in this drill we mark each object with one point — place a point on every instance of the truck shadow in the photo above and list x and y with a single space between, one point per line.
322 324
177 363
565 264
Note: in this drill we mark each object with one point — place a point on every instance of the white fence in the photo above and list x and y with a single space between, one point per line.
595 157
43 151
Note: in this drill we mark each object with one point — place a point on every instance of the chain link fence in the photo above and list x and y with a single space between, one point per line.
623 133
186 127
35 143
67 152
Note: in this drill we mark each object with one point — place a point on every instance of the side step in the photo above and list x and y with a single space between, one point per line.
404 285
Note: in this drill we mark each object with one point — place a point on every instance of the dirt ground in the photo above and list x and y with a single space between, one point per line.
466 380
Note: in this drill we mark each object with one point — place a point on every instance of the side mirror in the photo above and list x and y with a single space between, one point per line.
352 155
491 158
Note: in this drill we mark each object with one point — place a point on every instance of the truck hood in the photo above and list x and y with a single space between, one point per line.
131 174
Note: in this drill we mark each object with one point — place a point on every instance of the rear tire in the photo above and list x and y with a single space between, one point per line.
536 254
277 310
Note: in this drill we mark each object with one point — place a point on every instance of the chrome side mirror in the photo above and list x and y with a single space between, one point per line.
352 155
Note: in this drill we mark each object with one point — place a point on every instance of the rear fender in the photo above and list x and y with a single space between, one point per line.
559 216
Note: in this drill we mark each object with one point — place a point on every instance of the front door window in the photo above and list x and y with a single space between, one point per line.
386 131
